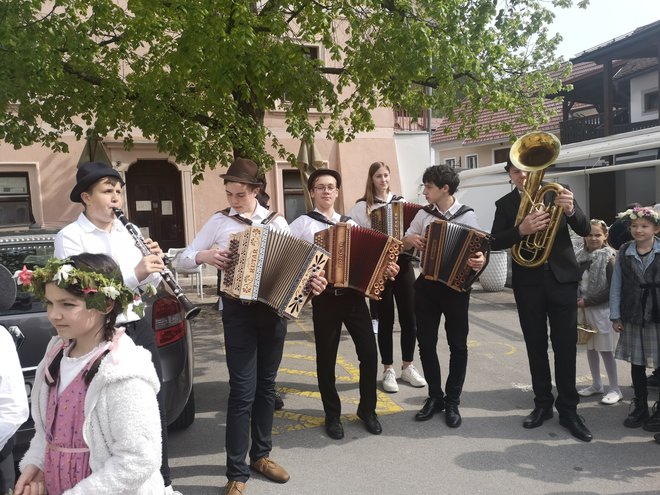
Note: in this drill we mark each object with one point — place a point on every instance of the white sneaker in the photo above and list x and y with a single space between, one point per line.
589 391
389 381
412 376
374 324
612 397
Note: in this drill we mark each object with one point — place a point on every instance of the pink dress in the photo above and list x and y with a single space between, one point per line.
67 455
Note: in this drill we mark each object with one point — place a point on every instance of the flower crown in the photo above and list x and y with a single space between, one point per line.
641 212
96 287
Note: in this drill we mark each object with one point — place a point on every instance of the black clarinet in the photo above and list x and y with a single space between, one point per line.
190 310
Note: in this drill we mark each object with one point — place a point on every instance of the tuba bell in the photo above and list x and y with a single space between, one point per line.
533 153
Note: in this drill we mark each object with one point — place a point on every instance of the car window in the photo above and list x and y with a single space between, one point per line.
31 255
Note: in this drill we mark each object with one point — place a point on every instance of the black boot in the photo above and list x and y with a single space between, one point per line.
653 423
639 414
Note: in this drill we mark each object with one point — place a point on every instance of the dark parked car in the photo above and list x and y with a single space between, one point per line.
28 315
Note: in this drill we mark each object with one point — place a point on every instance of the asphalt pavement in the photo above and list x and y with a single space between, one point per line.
490 453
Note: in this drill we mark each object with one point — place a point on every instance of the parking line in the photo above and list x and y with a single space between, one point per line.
297 421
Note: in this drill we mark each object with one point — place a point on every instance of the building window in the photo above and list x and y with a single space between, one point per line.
294 195
501 156
471 161
15 203
311 52
451 162
650 101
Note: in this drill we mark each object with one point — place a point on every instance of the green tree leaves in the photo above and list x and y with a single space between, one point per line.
197 76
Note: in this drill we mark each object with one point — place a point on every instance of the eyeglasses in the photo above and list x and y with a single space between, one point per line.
329 188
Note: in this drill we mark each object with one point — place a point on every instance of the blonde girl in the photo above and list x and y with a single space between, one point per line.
596 262
377 194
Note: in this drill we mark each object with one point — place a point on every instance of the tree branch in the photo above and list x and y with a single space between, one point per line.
36 21
332 70
111 40
69 69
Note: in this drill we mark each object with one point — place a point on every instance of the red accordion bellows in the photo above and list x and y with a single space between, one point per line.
359 257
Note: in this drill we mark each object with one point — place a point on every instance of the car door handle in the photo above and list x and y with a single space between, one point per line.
17 335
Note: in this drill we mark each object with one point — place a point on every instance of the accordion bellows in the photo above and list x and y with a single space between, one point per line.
394 218
448 247
359 257
272 267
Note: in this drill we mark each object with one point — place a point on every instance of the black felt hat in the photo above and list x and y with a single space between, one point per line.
87 174
243 170
323 171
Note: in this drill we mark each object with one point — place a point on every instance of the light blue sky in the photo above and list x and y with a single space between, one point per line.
602 21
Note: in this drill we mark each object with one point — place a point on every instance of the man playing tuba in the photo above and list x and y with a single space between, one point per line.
544 285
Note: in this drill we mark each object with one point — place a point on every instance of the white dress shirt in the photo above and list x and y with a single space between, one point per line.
423 219
359 211
14 409
82 236
217 230
304 227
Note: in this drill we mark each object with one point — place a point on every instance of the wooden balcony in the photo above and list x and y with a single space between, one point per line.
593 127
403 121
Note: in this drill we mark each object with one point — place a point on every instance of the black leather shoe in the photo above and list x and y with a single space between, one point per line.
575 424
639 414
279 403
431 406
452 416
371 422
334 428
537 417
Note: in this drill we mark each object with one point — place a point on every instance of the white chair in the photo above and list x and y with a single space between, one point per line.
197 274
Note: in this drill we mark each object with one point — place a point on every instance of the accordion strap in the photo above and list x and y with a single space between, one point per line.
461 211
380 201
322 218
247 221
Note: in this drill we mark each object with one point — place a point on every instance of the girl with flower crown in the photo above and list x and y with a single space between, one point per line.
635 309
97 428
596 262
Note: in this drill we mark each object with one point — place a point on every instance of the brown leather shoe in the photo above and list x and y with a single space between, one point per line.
270 469
234 488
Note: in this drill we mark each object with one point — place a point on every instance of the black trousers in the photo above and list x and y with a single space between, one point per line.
142 334
400 289
254 342
553 302
432 300
329 312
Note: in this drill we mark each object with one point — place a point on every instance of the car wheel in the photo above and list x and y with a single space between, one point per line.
187 416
